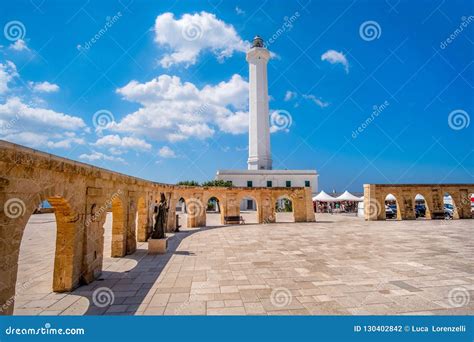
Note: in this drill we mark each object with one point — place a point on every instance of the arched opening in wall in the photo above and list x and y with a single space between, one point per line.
119 234
249 209
213 212
284 211
181 213
421 208
449 207
391 207
45 256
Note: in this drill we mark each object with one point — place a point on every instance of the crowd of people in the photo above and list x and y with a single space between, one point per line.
335 207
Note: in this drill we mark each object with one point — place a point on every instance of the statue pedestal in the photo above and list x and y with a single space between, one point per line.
157 246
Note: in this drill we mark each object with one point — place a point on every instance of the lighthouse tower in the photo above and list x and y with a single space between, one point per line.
259 171
259 127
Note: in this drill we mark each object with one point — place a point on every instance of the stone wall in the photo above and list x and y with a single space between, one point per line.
375 194
82 194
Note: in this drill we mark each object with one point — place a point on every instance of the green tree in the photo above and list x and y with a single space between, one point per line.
219 182
188 183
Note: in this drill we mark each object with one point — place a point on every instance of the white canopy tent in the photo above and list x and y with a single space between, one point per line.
419 198
323 197
347 196
390 197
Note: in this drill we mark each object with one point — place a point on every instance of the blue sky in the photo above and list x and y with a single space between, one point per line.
372 91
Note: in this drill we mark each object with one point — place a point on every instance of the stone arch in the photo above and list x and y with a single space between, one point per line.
142 220
284 204
220 207
254 214
119 227
182 216
450 205
422 207
391 207
131 226
17 210
195 210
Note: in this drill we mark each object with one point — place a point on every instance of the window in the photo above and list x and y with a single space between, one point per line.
250 204
307 184
269 184
288 184
249 184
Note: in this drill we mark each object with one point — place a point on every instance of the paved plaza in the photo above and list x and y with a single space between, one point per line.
335 266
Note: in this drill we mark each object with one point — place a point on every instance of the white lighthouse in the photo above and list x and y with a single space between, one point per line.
259 127
259 171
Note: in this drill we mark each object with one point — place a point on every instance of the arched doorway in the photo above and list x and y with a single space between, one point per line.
214 212
249 209
421 208
181 212
391 207
449 207
48 253
284 211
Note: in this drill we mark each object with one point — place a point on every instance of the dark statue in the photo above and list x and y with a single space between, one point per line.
161 217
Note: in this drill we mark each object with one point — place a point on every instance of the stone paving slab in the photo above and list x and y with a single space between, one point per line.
339 265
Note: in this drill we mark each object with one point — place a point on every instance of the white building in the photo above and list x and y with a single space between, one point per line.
260 173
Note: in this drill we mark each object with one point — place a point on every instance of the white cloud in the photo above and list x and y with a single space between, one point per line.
335 57
37 139
19 45
316 100
7 74
39 119
173 110
97 156
192 34
43 87
38 127
166 152
290 95
115 141
235 124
